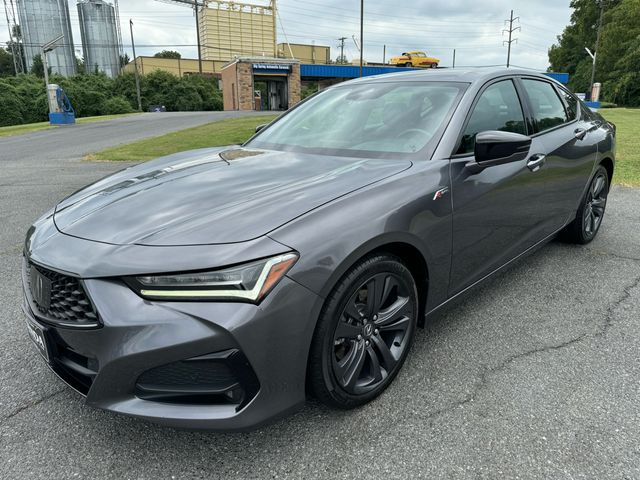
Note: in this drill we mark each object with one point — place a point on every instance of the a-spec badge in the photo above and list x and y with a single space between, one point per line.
440 193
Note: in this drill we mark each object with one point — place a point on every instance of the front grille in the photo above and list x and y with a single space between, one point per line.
69 304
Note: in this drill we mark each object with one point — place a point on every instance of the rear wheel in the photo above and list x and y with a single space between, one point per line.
589 217
408 64
434 65
364 333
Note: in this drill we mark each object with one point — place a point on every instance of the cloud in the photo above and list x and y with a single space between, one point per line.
472 27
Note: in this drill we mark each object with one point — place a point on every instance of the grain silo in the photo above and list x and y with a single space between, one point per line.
42 21
100 40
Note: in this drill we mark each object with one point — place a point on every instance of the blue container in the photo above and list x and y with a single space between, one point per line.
62 118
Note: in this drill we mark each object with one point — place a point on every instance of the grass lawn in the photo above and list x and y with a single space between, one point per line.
35 127
237 130
222 132
627 121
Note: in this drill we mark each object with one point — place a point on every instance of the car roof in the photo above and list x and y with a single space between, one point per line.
464 75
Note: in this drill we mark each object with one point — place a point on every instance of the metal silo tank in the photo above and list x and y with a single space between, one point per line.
100 42
40 22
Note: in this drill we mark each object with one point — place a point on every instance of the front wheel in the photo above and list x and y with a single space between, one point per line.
408 64
590 213
364 332
434 65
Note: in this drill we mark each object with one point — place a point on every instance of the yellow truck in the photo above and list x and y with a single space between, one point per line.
414 59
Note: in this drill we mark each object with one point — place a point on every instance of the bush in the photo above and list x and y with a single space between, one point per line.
116 105
11 105
24 97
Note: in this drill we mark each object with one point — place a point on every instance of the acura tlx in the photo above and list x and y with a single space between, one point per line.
218 288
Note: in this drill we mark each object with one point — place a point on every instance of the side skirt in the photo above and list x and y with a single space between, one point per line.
528 251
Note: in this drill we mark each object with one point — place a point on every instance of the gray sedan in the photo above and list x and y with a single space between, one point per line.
217 288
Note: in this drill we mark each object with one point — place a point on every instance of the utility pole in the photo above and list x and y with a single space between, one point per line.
594 56
195 9
135 64
454 58
510 30
384 53
342 39
361 33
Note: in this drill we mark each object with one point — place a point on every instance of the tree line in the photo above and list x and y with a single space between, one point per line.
618 55
23 98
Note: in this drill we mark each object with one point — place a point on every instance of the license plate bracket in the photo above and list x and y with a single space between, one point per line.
39 338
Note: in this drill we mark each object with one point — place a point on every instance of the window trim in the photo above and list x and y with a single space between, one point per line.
562 89
513 80
528 100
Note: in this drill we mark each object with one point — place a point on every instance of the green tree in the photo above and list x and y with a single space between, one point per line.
617 67
37 68
168 54
6 63
80 66
124 59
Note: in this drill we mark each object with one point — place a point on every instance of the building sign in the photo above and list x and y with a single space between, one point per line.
271 67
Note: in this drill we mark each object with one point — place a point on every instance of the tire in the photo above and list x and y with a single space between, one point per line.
361 341
408 64
586 224
434 65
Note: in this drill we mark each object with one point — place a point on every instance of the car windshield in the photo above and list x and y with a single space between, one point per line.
372 119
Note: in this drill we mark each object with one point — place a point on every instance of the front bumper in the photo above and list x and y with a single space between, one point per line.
137 335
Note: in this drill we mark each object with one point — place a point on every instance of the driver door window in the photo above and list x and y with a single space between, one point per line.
498 108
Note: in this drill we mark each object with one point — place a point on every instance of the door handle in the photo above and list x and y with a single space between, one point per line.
580 133
536 161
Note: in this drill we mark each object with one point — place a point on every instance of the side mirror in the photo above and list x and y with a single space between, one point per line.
497 148
260 127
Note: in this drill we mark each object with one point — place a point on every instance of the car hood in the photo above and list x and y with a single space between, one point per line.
213 196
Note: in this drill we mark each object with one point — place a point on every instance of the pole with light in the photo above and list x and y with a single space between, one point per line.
135 64
361 33
46 48
594 54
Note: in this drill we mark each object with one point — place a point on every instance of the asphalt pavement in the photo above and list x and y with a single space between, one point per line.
536 374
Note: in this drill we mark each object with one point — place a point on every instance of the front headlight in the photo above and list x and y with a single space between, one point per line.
249 282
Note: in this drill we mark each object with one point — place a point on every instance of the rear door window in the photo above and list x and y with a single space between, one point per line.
546 107
571 103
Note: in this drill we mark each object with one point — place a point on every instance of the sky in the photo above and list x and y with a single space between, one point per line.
474 28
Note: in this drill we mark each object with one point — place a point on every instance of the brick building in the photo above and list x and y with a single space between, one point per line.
261 83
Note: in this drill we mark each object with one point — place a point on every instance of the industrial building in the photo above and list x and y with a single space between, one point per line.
305 53
42 21
231 29
100 38
178 66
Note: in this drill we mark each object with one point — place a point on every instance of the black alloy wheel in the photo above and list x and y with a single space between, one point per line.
596 203
589 217
364 333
